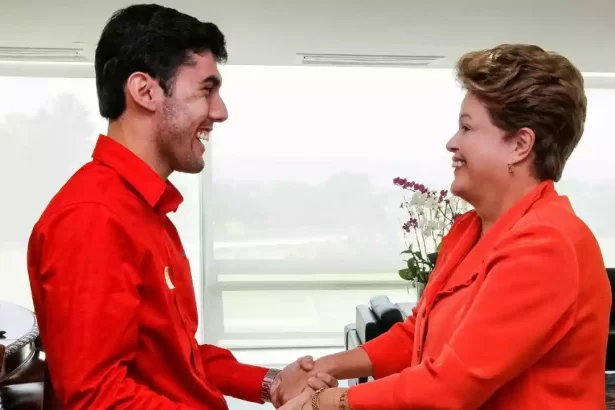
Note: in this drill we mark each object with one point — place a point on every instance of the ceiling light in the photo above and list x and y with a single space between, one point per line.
78 53
366 60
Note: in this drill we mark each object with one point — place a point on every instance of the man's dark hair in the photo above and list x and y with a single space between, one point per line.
152 39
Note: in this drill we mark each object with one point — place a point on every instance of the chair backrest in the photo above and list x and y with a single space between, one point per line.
49 399
611 273
610 348
1 357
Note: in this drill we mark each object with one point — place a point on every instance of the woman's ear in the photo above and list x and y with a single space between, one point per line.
523 144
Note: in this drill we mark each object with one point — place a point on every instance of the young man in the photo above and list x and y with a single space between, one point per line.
111 285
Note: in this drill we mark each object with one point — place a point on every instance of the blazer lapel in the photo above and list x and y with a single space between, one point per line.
466 255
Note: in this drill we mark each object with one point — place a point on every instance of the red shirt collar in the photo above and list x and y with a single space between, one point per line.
159 194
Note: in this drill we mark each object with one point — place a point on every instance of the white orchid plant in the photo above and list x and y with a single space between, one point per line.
430 217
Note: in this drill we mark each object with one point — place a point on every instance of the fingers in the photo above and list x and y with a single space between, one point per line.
297 402
305 395
306 363
276 400
322 381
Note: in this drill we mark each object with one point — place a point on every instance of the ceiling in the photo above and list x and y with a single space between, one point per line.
272 32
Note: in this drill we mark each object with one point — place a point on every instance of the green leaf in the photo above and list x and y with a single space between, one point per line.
406 274
433 257
411 271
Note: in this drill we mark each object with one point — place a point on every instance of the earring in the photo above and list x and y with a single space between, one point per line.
511 169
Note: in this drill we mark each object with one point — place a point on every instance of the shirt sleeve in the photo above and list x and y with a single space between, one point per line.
526 305
391 352
232 378
87 291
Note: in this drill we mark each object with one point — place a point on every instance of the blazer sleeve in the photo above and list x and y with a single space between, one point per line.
391 352
526 305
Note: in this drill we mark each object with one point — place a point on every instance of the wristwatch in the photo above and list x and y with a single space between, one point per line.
267 384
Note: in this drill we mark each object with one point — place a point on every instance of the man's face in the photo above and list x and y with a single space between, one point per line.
189 113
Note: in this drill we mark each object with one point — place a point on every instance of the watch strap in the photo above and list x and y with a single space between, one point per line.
267 383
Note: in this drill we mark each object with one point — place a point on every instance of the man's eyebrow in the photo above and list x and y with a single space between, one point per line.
211 81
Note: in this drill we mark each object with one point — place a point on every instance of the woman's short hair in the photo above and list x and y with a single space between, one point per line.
526 86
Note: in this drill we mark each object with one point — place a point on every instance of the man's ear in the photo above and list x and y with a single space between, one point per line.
524 141
144 91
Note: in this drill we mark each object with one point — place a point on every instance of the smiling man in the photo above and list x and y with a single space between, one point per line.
111 285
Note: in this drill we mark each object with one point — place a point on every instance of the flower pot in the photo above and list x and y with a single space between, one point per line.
419 288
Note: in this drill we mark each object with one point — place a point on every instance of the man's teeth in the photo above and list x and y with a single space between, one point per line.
203 135
458 163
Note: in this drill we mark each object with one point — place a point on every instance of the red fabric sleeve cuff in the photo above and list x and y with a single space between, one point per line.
380 351
246 382
374 395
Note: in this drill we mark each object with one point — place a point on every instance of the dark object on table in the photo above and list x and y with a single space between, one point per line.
369 324
385 311
372 321
22 367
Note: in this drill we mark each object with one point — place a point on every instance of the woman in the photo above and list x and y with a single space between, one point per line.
516 312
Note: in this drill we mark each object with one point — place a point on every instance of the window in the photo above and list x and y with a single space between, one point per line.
295 220
300 209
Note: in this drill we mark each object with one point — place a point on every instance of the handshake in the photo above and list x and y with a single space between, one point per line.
295 384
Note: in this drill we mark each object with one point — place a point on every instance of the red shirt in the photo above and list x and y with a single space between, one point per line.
114 297
517 320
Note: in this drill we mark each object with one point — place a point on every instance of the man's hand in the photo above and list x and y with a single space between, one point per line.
314 382
295 378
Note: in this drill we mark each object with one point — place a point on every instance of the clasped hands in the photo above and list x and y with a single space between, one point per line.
295 384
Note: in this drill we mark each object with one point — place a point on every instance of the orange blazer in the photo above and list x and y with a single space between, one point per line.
517 320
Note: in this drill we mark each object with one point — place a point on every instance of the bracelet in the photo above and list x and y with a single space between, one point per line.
267 383
344 401
315 401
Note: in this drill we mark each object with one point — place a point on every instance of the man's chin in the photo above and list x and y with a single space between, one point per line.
193 168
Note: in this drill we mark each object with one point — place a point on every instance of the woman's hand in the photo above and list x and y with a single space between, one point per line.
299 402
296 377
329 399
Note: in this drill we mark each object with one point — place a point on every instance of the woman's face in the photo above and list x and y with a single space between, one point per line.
480 153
